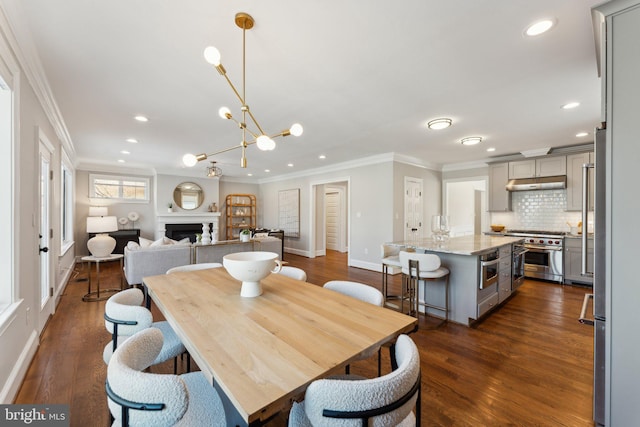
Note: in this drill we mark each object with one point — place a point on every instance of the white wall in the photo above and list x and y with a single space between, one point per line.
18 333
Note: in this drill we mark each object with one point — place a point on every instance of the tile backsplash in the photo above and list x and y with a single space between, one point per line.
537 210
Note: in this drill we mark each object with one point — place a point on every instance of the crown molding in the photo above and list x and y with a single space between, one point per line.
14 28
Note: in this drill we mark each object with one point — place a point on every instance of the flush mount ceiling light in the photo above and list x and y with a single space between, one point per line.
539 27
438 124
213 171
258 137
570 105
471 140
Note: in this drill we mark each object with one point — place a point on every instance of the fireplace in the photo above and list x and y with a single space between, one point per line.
180 231
192 220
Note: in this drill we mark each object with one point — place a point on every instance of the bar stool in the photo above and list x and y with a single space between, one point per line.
425 268
390 258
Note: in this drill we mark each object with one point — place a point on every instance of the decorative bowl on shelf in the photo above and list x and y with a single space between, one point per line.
250 268
497 228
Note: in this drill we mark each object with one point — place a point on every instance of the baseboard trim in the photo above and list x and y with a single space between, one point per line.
19 371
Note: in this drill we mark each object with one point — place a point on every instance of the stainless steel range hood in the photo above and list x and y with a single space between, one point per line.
545 183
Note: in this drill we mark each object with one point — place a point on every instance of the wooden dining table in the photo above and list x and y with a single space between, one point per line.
261 353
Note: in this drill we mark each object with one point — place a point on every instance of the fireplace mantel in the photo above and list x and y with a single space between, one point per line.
185 218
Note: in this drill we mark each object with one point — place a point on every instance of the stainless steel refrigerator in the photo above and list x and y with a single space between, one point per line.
598 168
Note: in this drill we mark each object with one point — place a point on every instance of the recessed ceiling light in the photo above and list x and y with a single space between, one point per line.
125 152
570 105
249 174
582 134
120 161
491 149
267 170
438 124
132 140
141 118
471 140
539 27
290 165
322 157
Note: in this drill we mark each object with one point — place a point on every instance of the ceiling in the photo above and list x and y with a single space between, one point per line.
362 77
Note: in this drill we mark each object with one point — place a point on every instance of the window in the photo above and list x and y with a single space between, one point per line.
7 220
66 204
120 188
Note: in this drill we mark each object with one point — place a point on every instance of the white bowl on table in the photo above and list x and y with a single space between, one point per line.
250 268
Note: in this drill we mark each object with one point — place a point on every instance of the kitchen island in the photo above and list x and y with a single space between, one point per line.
474 289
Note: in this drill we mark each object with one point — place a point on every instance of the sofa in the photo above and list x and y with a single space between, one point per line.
151 259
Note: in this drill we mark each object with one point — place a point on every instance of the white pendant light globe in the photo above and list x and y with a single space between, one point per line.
296 129
189 160
265 143
224 113
212 55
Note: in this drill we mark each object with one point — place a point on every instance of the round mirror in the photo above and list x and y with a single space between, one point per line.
188 195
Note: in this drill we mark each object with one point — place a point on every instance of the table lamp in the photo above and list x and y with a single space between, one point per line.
101 245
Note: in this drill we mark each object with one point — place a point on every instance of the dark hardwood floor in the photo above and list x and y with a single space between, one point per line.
528 364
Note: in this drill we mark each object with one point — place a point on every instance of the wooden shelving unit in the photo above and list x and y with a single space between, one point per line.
240 212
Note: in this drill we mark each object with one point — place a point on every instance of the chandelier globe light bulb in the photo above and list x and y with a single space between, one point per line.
212 56
189 160
265 143
296 129
224 113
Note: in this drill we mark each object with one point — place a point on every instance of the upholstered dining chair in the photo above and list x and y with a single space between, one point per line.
194 267
383 401
357 290
146 399
364 293
425 268
124 316
293 272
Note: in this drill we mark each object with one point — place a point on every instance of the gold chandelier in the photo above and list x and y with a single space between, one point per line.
259 137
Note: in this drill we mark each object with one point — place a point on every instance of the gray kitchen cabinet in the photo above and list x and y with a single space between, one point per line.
499 197
573 260
574 181
522 169
504 274
532 168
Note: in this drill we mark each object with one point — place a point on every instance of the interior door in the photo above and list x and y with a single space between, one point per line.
44 245
413 208
332 219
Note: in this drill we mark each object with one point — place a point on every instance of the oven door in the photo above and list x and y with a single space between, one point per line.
543 262
518 266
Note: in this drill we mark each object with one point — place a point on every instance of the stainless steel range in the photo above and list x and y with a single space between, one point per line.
544 256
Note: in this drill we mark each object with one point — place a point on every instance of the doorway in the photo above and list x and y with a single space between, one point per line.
329 217
465 202
47 305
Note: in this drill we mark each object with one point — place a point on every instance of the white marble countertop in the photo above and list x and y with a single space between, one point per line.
464 245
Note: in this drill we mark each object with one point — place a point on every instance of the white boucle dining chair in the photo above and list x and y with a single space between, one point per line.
194 267
124 316
293 272
383 401
140 398
364 293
